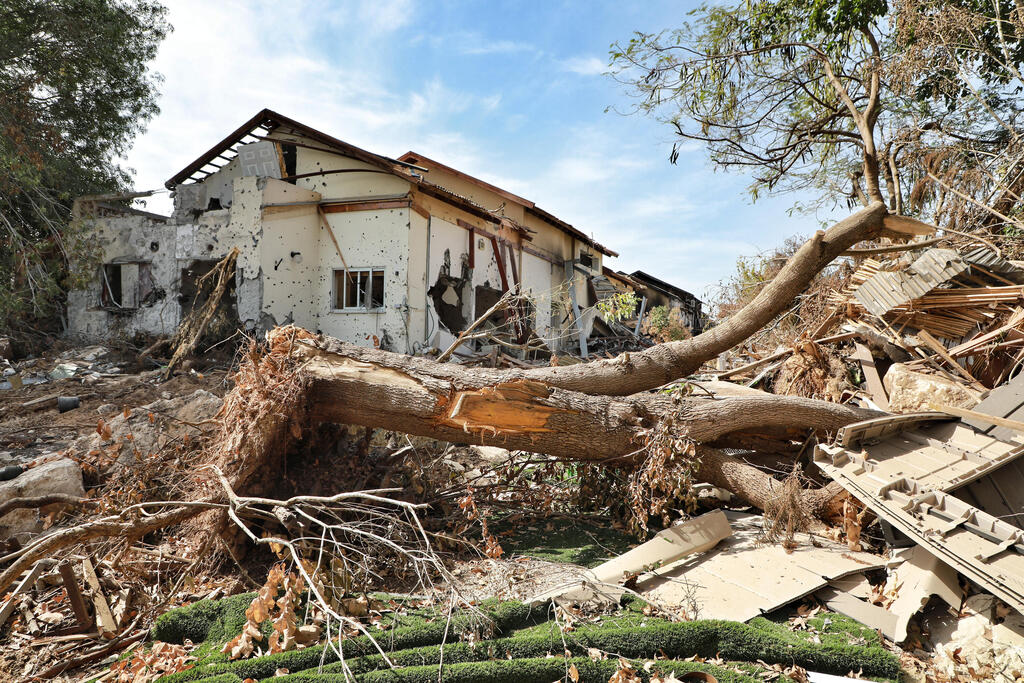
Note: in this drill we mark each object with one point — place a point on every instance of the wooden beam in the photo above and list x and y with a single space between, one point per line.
420 210
8 607
369 205
334 240
501 263
106 622
512 265
981 417
938 348
67 573
874 382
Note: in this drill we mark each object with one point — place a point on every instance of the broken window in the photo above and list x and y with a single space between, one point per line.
586 260
124 285
288 154
358 289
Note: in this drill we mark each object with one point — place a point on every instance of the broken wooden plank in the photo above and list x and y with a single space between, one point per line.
30 578
938 348
67 573
107 623
334 240
871 378
979 417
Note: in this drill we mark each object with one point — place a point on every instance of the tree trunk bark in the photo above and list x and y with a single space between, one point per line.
349 384
592 412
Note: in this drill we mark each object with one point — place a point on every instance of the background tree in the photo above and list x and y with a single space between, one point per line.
913 102
75 90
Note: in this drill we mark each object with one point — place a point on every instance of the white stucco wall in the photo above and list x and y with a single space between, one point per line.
125 239
537 277
372 182
289 254
368 239
417 274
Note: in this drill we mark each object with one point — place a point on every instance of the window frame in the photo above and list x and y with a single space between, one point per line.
144 284
367 270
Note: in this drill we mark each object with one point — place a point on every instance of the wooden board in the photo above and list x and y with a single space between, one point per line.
107 624
874 382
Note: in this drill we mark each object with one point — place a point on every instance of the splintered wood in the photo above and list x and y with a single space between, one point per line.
507 407
966 317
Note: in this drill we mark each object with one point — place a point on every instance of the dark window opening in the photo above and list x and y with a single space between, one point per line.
586 260
288 153
111 295
125 285
214 204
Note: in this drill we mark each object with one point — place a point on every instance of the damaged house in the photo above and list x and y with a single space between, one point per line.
400 253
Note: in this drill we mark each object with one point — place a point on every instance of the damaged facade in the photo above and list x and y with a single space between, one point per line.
339 240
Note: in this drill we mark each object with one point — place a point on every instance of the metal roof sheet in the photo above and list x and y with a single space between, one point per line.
885 291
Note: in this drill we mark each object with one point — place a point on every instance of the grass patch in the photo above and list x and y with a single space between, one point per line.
563 540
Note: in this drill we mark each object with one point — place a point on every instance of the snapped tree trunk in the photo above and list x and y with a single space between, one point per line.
596 412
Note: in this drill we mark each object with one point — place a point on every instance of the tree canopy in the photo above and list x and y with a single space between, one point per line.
75 90
915 103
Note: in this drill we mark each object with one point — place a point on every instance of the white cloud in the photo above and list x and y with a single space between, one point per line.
226 61
584 66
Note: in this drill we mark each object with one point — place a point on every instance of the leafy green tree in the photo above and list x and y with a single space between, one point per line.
916 103
75 90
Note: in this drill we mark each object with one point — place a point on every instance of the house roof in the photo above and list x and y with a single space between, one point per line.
416 158
620 276
653 282
265 122
257 128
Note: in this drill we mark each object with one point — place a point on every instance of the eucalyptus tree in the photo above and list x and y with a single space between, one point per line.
75 90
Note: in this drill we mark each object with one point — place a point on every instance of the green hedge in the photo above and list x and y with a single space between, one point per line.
206 620
730 640
520 632
495 619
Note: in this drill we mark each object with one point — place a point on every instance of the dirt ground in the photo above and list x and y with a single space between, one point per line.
35 431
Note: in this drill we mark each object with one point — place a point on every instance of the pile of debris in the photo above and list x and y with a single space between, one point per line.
147 495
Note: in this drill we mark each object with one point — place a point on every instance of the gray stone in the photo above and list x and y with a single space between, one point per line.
57 476
911 391
171 420
106 409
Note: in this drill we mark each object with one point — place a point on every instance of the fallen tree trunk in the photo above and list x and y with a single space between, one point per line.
304 379
634 372
595 412
349 384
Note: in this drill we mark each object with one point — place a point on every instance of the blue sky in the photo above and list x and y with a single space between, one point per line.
511 92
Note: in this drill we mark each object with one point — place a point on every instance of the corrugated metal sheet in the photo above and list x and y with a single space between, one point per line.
883 292
987 259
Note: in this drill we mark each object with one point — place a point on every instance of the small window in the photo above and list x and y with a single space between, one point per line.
120 284
586 260
360 289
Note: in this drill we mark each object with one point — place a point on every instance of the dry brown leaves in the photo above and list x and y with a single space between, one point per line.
853 520
161 660
266 605
492 548
625 673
